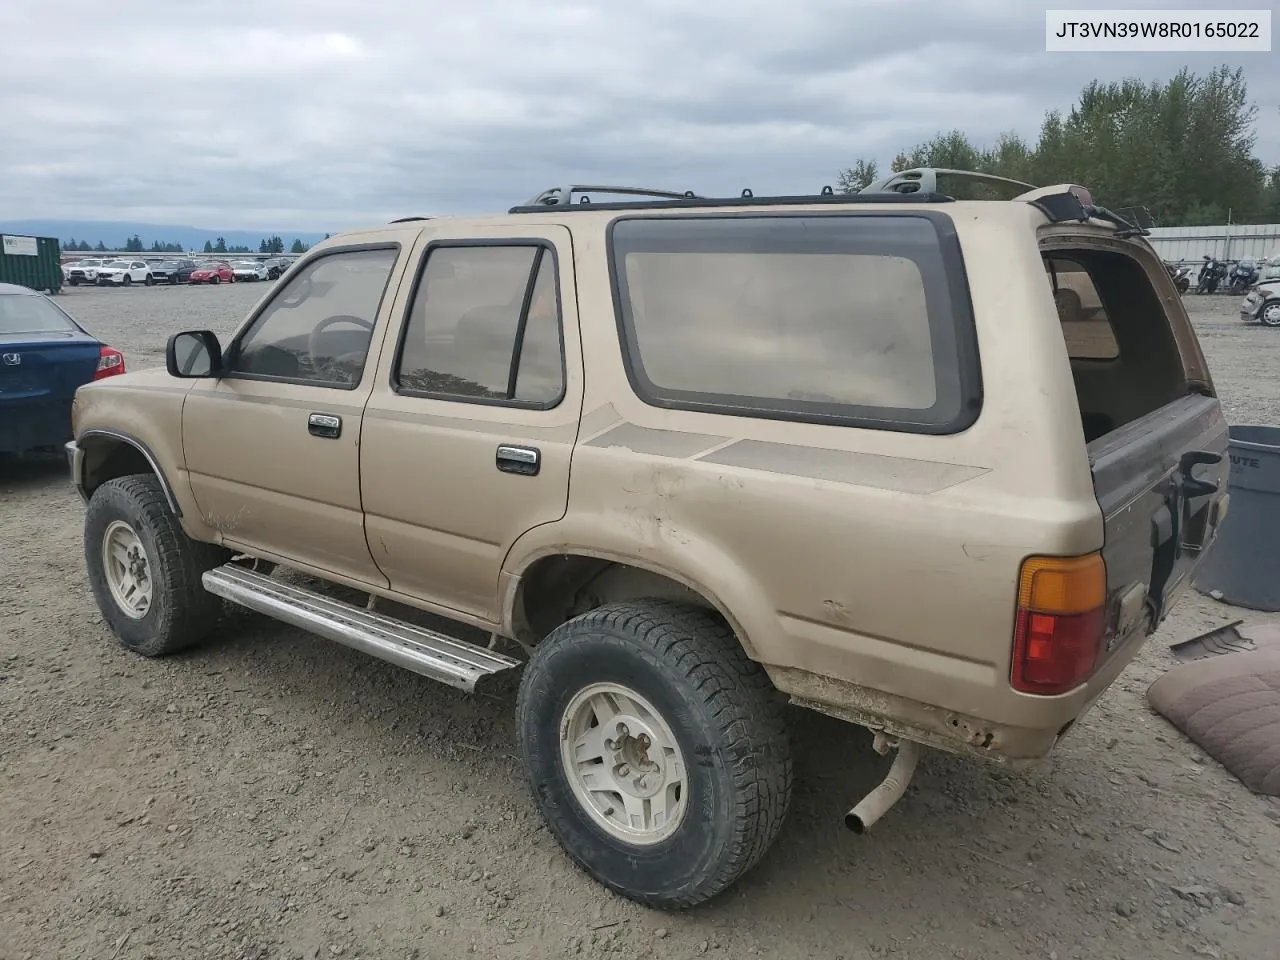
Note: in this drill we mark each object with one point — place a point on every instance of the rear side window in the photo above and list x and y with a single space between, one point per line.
1086 328
484 326
862 320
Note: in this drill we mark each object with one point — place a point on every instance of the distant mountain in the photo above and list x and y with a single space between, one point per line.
114 233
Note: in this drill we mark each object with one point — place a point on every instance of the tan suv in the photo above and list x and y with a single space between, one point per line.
934 467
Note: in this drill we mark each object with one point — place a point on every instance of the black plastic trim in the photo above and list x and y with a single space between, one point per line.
230 353
836 199
143 449
544 245
962 331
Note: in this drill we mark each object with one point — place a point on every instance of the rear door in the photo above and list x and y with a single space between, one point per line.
1156 435
471 425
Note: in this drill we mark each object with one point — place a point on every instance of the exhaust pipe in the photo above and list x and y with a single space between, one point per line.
877 803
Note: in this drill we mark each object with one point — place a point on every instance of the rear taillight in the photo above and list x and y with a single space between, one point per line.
110 362
1061 622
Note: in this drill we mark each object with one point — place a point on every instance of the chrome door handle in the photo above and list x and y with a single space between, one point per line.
525 461
324 425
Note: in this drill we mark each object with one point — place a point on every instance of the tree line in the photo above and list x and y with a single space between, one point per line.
135 244
1183 148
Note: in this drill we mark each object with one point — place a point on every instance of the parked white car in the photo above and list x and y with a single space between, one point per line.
250 270
124 272
1262 304
83 271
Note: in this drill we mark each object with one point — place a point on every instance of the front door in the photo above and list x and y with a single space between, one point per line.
474 412
272 446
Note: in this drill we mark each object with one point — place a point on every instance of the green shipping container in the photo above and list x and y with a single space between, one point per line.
34 262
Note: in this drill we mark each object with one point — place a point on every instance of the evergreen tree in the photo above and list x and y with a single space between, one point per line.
1183 148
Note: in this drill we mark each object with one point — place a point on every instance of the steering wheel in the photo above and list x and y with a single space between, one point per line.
331 367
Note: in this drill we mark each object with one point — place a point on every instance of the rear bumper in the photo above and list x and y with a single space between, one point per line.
34 425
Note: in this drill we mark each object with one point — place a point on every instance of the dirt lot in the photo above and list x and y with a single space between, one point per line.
277 796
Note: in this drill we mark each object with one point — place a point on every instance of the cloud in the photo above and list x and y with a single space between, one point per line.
320 114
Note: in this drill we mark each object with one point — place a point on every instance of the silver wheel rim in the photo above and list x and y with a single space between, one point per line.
623 764
1271 315
127 570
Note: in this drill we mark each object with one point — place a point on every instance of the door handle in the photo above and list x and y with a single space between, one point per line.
324 425
525 461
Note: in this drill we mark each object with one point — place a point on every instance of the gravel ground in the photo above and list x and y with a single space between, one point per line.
275 796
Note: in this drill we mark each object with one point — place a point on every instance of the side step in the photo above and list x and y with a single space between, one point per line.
432 654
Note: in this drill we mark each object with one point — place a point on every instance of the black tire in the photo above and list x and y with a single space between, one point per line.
74 283
722 710
150 280
182 612
128 280
1273 320
215 279
173 281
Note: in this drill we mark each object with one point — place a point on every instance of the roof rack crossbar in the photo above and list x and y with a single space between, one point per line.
925 180
558 196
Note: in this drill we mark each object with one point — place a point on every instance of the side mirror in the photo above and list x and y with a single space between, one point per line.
193 353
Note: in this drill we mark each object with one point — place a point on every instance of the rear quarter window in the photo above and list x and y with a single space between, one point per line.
861 320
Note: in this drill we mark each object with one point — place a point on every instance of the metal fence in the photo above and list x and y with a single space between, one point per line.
1236 241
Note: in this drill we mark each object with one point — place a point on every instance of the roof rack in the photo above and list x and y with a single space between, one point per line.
1060 203
659 199
558 196
925 180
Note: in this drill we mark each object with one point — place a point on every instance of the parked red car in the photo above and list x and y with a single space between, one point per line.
213 273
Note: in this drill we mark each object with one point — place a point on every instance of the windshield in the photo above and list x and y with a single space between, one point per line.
23 313
122 264
247 264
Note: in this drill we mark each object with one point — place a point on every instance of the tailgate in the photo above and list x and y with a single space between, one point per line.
1161 482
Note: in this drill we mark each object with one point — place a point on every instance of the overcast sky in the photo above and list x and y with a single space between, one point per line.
322 114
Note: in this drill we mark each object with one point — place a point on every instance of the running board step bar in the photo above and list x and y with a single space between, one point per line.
435 655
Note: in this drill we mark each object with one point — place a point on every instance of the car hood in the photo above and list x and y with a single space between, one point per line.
1267 290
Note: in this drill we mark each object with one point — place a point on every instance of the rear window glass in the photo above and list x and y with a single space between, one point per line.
851 319
20 313
1086 328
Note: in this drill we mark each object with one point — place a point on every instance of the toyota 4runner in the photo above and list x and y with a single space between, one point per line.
932 466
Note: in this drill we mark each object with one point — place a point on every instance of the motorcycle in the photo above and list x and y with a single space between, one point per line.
1211 275
1242 276
1180 274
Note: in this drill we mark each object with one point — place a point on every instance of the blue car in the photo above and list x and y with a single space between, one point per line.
44 357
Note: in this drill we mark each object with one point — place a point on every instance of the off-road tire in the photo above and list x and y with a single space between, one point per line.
182 612
727 720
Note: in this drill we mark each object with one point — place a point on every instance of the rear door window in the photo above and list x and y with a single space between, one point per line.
856 319
484 327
